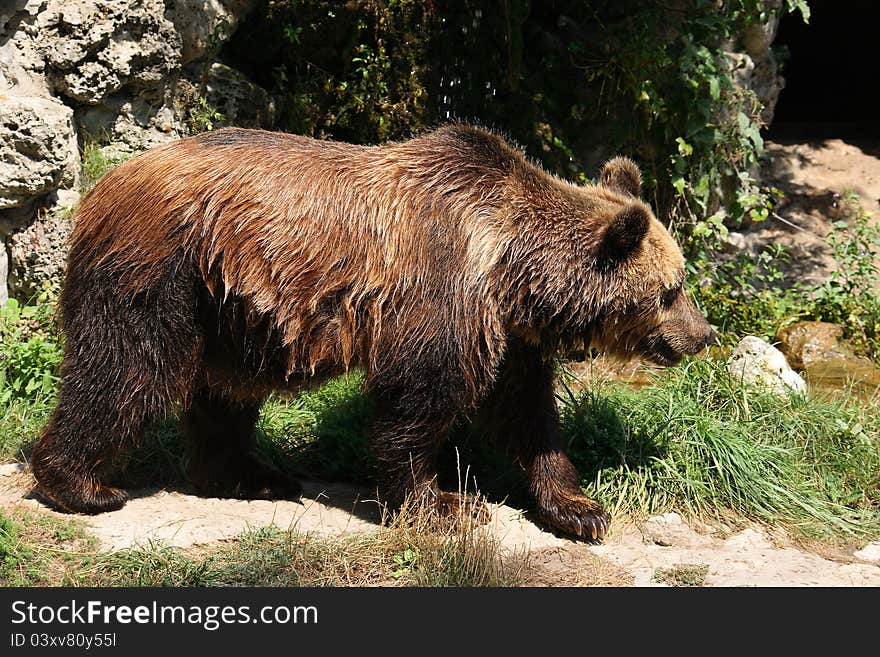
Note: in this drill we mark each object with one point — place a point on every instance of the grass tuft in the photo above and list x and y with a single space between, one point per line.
696 440
411 550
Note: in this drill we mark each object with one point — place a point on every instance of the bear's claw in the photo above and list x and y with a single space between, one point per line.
577 517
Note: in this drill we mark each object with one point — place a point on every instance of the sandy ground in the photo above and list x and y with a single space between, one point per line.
810 174
634 554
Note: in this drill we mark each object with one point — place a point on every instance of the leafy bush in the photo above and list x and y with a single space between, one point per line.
30 353
747 295
850 296
572 81
96 163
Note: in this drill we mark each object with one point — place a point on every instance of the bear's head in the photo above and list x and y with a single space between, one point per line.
641 270
603 268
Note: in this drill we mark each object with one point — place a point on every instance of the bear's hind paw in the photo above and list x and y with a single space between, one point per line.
95 499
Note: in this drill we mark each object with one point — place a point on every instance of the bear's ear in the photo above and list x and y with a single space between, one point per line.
623 176
623 235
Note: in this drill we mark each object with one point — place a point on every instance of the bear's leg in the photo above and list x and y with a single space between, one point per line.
78 446
222 463
125 364
521 413
413 413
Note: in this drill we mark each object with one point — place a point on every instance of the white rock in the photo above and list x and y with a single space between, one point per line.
203 24
871 552
755 362
8 469
37 146
38 254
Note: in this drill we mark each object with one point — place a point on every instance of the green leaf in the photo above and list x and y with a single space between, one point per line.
714 88
684 148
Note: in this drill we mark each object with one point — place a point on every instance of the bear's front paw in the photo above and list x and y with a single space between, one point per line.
575 516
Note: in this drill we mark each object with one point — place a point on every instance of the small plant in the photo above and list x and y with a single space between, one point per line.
13 555
96 163
203 117
404 562
30 354
685 574
745 295
850 296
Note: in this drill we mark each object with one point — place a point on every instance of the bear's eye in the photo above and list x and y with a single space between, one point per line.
669 296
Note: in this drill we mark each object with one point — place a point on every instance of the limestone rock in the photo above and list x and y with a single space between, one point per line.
100 47
38 254
204 24
38 151
871 552
670 530
758 363
240 101
756 69
106 69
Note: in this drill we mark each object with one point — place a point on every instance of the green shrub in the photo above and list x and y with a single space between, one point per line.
30 353
96 163
850 296
747 295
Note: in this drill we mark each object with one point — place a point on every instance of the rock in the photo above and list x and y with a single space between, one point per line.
38 254
7 469
240 101
758 363
807 343
94 49
110 70
204 24
871 552
130 124
38 150
756 69
664 529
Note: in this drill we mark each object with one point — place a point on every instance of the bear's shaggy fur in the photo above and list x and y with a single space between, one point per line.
212 270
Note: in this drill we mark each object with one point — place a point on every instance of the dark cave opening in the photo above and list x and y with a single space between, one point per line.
830 66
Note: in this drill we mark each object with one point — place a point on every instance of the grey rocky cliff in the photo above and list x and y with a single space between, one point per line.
125 72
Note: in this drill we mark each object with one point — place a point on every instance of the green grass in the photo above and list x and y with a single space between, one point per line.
96 163
694 441
41 550
697 441
321 433
20 423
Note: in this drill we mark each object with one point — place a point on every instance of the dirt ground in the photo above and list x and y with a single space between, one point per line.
660 551
810 174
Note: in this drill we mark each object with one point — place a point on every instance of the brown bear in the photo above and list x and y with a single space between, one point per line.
210 271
